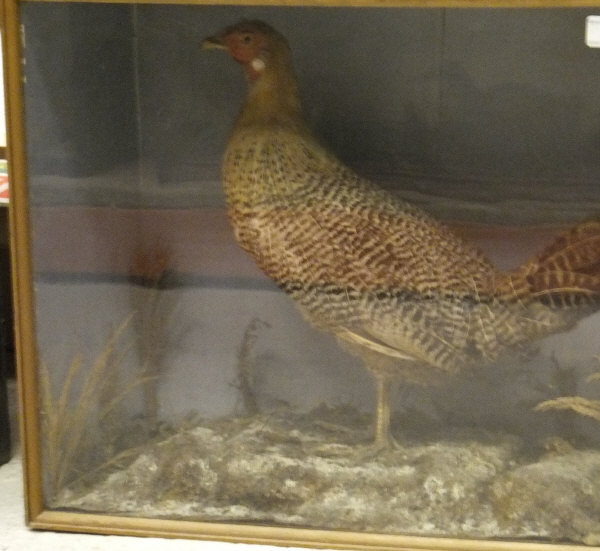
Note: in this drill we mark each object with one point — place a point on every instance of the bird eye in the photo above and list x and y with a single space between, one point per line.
246 39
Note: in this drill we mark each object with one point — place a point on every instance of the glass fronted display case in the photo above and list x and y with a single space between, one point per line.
369 323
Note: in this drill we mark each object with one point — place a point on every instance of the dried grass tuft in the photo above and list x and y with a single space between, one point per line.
577 404
78 408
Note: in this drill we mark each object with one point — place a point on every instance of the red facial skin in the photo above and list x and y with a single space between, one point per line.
245 47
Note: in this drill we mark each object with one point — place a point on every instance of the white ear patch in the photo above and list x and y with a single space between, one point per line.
258 64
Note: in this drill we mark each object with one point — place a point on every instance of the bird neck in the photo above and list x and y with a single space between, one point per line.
272 98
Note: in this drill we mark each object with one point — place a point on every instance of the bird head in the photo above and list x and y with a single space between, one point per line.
254 44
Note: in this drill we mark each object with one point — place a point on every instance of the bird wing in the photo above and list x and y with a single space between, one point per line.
345 231
360 262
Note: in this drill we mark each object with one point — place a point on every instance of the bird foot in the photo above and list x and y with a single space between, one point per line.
381 446
356 452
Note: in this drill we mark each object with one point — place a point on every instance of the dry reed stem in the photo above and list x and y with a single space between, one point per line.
245 380
151 266
117 460
112 404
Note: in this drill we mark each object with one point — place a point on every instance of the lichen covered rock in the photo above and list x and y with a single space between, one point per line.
299 471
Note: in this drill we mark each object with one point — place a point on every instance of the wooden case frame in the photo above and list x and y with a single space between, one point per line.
37 516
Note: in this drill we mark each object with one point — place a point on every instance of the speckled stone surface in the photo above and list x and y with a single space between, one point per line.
15 536
297 471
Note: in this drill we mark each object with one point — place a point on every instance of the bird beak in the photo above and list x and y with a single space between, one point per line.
213 43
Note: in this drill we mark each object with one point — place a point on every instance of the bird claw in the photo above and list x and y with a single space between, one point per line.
379 447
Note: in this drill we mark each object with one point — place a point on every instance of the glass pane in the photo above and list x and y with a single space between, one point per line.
177 378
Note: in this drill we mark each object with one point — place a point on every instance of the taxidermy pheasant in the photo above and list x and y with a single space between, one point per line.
395 286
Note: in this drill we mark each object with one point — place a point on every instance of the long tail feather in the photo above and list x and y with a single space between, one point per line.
564 274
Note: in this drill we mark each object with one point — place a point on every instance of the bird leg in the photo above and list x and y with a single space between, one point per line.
383 438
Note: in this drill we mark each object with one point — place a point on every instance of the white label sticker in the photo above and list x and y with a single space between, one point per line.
592 31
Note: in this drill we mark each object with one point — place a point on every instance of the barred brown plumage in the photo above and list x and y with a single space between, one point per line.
395 286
